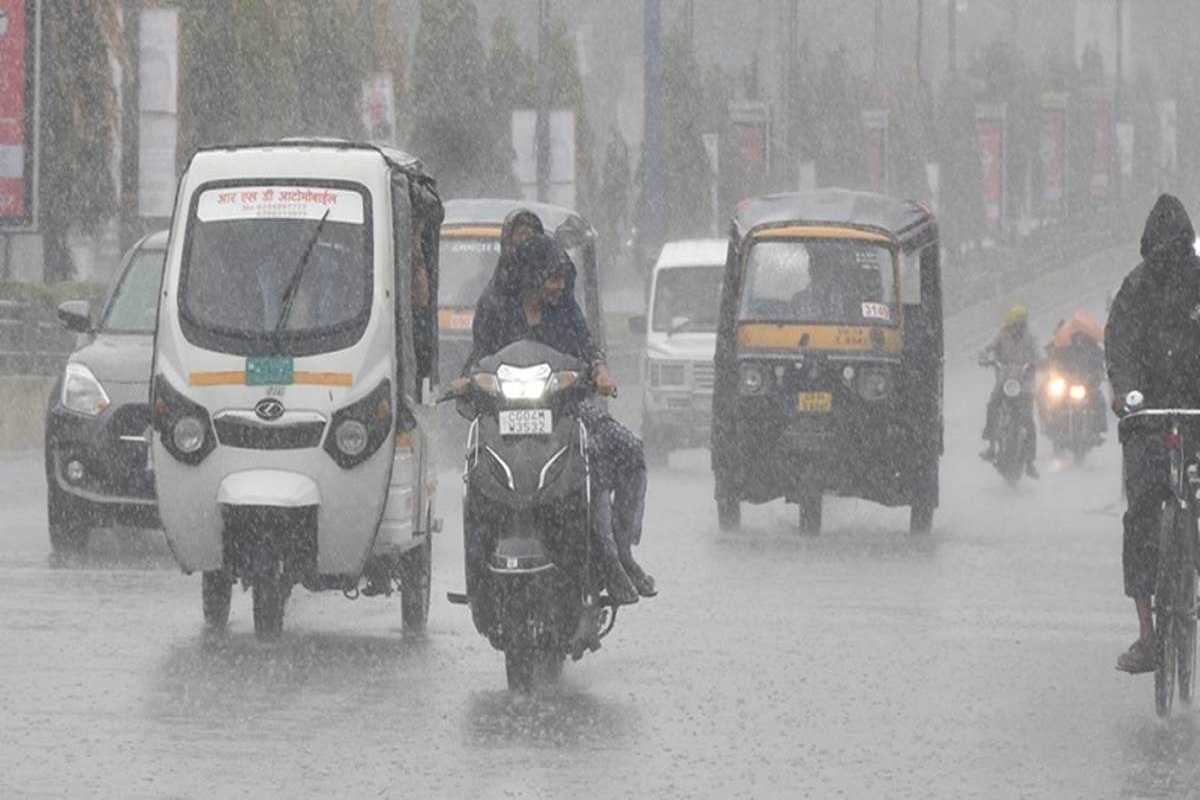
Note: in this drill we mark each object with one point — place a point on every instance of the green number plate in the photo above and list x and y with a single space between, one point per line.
269 371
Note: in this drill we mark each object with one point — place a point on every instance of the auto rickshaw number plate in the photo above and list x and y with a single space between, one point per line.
269 371
815 403
526 422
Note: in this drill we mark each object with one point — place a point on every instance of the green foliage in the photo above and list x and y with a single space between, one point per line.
961 206
612 208
453 129
685 163
838 130
43 298
79 121
566 92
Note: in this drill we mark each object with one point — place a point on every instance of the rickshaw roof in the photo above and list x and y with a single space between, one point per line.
490 211
834 207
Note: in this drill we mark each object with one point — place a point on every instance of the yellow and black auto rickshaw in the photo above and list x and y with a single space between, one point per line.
829 356
470 247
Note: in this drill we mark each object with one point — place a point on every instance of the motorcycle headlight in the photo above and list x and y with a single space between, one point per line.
523 383
1078 392
752 379
81 392
1056 388
351 437
188 435
873 383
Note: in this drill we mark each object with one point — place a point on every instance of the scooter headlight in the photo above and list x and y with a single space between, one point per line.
1078 392
1056 388
523 383
188 435
351 437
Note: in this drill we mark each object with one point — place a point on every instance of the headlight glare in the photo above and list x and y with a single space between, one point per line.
1056 388
523 383
1078 392
81 392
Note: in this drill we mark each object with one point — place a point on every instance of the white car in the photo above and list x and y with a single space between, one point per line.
681 336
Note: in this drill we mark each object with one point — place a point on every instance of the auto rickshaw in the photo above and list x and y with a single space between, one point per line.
829 356
470 247
293 375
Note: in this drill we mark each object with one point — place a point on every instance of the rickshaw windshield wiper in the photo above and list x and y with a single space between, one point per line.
289 294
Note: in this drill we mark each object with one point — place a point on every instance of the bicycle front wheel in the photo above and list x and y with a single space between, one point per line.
1167 602
1185 630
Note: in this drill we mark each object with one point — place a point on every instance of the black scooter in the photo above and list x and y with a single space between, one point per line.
534 583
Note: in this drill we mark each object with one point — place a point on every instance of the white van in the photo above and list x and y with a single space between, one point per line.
681 336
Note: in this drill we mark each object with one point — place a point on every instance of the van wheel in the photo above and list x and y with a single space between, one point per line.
216 592
810 504
729 514
415 579
270 592
69 528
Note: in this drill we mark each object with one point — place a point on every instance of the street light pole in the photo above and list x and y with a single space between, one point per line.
952 36
542 125
129 229
651 220
920 36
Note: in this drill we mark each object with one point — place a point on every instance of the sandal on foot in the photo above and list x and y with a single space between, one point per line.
1137 659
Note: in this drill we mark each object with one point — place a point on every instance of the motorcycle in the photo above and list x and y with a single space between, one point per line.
1067 411
1009 437
534 584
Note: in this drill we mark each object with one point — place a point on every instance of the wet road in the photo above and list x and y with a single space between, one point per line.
975 662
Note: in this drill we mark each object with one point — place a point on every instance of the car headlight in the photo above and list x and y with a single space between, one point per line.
1056 388
752 379
873 383
81 392
188 435
523 383
665 374
351 437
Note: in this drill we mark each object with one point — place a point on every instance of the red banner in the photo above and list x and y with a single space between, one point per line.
990 131
15 109
1053 152
1102 147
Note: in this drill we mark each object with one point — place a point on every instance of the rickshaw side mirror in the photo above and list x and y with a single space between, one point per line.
637 325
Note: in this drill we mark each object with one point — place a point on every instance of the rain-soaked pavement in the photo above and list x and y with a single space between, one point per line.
975 662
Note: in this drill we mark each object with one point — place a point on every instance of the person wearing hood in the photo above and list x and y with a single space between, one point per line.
1152 345
539 307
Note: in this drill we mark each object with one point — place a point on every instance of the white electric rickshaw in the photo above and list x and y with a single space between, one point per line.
294 365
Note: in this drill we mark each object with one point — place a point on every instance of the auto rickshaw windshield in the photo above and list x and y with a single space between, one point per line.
254 269
831 281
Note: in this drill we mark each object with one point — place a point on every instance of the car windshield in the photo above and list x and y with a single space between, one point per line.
250 247
465 266
687 298
831 281
134 305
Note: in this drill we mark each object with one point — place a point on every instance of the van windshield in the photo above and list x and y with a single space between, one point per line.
829 281
687 298
249 247
465 266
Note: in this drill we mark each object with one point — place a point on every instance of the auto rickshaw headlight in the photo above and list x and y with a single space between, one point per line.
351 437
752 379
188 435
873 383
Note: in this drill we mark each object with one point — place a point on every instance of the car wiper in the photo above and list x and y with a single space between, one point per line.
289 294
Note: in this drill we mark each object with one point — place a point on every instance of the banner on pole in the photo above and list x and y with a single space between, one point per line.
989 128
1102 145
1052 152
20 46
379 108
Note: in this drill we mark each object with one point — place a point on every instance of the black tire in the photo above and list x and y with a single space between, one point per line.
729 514
920 518
520 667
1185 644
811 506
270 592
216 592
1166 618
415 582
69 527
655 445
1165 653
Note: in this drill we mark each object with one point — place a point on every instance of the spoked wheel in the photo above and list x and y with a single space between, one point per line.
216 592
414 588
810 503
1165 661
1166 609
270 590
